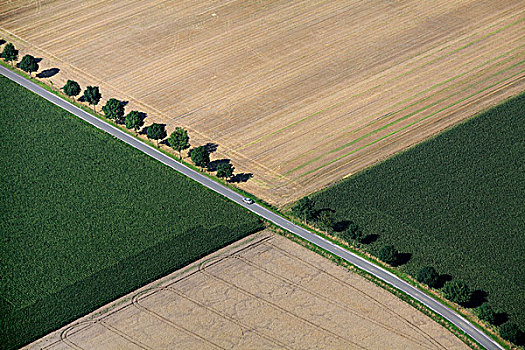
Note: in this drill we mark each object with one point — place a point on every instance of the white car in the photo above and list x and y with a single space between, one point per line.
247 200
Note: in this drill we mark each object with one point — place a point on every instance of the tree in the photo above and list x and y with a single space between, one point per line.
156 132
429 276
225 170
179 140
134 120
388 254
113 109
486 313
92 95
9 54
28 64
511 332
352 232
457 291
200 156
71 88
325 220
304 209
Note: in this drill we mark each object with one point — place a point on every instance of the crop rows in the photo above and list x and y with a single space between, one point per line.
454 203
87 218
299 94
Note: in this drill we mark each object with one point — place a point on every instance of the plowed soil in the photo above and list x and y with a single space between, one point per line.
299 93
264 292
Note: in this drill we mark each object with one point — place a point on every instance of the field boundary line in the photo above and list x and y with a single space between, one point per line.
411 124
460 83
505 85
229 150
390 80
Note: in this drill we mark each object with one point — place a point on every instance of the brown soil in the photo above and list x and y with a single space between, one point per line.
299 93
261 293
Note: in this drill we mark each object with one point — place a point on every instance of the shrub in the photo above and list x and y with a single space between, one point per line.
486 313
428 276
325 220
388 254
352 233
457 292
511 332
304 209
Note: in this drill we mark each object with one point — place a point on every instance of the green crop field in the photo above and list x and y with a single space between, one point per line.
86 218
455 202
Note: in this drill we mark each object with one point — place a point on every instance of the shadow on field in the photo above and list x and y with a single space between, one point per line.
38 59
48 73
340 226
2 41
442 279
371 238
242 177
501 318
211 147
477 298
403 258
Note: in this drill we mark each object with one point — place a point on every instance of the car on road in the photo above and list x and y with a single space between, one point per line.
247 200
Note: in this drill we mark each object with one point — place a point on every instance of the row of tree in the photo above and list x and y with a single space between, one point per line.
454 290
459 292
179 139
28 64
115 110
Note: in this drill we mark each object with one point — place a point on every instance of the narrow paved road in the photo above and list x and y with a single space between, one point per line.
354 259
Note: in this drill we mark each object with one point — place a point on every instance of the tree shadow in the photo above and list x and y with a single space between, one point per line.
211 147
371 238
521 338
242 177
124 103
501 318
340 226
81 99
477 298
442 279
215 163
38 59
48 73
403 258
144 131
2 41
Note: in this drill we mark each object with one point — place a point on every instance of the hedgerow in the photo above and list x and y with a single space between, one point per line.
87 218
454 202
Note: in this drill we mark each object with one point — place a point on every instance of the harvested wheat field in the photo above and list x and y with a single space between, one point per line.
264 292
299 93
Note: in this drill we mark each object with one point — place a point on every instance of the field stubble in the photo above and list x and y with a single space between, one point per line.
266 292
300 94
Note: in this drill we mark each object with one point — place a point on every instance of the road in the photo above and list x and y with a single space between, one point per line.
261 211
